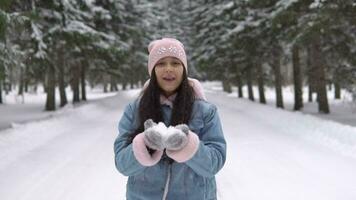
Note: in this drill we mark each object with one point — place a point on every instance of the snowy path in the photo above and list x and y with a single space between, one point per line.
268 160
21 113
70 156
14 113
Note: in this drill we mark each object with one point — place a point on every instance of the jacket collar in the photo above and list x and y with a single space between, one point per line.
168 100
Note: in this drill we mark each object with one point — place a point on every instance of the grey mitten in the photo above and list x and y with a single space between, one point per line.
153 134
176 137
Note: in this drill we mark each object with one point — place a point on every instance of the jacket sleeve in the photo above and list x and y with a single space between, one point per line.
125 161
211 154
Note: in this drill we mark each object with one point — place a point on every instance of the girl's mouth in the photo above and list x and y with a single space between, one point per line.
168 78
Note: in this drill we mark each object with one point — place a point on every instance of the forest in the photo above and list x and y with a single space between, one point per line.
272 43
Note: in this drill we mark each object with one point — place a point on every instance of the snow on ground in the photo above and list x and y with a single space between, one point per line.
69 156
341 110
276 154
21 109
272 154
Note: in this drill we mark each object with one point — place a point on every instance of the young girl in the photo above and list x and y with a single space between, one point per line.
170 141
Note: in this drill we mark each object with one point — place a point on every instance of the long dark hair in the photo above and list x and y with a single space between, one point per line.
150 107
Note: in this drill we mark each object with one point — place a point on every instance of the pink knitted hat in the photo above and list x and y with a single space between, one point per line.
165 47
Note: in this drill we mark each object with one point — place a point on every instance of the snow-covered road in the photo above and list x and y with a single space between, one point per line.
275 154
272 154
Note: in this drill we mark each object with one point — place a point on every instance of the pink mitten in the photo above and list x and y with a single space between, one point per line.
141 153
188 151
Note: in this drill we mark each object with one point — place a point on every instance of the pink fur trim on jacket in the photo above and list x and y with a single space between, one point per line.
141 153
187 152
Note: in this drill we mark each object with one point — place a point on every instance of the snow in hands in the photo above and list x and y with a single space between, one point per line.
159 136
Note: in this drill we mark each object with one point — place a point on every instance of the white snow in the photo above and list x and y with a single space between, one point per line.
18 109
242 25
272 154
38 36
316 4
80 27
342 110
257 17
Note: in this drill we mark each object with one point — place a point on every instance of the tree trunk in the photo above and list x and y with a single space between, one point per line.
6 87
226 80
277 78
45 86
113 85
320 80
1 102
20 92
26 86
337 91
260 81
124 85
330 86
10 81
226 85
62 87
50 89
297 76
62 65
143 80
249 82
105 87
106 81
26 79
310 93
310 74
82 78
75 83
239 84
10 87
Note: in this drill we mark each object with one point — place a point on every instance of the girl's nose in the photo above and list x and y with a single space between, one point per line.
169 67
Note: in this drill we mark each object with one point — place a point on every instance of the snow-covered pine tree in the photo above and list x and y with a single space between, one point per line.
13 54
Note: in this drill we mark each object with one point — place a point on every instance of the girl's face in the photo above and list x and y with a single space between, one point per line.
169 73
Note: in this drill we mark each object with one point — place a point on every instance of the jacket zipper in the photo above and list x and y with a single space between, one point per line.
167 182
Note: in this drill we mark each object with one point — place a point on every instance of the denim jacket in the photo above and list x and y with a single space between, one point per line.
194 179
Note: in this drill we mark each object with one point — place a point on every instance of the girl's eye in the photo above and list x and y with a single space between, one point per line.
160 64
